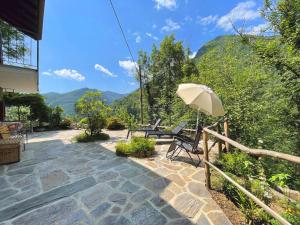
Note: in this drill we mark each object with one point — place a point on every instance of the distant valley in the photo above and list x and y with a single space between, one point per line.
67 100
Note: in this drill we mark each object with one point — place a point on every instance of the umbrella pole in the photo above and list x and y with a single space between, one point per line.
197 119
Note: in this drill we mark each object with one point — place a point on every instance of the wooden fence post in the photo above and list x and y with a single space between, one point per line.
205 148
226 131
219 141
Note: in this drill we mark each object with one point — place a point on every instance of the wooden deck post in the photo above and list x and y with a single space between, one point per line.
226 131
205 148
219 141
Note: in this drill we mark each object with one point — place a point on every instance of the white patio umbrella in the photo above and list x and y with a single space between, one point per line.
202 98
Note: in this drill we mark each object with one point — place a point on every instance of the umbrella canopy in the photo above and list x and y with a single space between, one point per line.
202 98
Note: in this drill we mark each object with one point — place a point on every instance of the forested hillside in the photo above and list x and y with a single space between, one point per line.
67 100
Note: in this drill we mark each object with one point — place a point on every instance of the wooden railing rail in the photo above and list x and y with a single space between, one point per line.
250 195
254 152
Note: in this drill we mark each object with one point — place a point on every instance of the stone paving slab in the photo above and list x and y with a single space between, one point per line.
64 183
46 198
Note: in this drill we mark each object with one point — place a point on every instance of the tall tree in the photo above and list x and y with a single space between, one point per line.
162 71
144 65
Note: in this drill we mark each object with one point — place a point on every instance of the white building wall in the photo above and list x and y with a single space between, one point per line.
18 79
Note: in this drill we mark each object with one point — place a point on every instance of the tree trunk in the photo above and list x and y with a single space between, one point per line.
150 102
141 95
19 116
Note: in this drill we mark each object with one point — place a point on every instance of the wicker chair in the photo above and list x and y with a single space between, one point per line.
10 149
11 143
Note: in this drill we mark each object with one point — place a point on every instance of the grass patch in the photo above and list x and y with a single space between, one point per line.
83 137
137 147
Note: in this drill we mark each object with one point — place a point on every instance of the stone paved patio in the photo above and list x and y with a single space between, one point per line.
65 183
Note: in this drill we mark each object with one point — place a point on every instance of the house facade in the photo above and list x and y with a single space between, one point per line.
19 47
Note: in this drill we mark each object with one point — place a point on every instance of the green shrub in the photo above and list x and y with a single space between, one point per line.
249 173
83 137
56 116
138 147
292 212
114 123
91 107
253 213
65 123
240 164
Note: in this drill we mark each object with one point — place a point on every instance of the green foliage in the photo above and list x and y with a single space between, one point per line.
282 54
84 137
249 173
138 147
239 163
162 71
249 170
292 212
279 179
56 116
90 107
253 214
32 108
114 123
17 113
38 109
65 123
120 110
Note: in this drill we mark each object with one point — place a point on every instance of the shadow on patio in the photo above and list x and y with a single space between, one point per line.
60 182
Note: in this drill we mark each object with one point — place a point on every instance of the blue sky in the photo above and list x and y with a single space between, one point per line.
82 45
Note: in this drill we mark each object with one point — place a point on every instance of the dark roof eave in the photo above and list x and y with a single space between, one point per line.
40 19
27 16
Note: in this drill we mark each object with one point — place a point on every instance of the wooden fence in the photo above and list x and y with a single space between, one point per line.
254 152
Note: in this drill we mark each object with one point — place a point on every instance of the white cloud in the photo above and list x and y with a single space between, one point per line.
151 36
132 83
244 11
207 20
104 70
66 73
69 73
168 4
47 73
192 55
170 26
138 37
129 66
257 30
154 26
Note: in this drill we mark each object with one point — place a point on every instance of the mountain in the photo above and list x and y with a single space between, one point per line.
67 100
219 43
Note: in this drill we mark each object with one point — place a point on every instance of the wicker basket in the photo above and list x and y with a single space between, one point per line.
10 151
